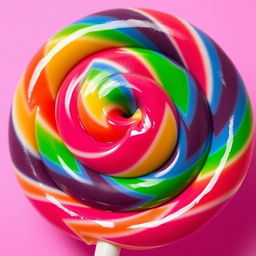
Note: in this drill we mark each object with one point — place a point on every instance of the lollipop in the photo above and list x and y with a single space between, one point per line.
130 127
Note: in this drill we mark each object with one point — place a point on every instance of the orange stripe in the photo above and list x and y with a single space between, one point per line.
121 226
23 118
39 191
40 95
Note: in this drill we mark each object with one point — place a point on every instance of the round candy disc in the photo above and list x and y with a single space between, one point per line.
130 126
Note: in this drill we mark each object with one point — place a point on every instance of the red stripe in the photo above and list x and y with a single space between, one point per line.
187 45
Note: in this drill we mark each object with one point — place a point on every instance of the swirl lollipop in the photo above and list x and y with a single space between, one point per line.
132 127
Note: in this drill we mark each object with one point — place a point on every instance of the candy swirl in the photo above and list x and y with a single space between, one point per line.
130 123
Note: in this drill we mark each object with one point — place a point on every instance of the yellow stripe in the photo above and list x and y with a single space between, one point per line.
24 119
61 62
160 149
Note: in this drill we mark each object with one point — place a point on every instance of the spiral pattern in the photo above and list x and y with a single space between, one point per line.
130 123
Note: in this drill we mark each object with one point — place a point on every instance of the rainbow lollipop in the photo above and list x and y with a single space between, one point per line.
130 128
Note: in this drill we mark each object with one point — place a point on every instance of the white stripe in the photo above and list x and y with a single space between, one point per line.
207 189
206 59
19 134
171 33
130 23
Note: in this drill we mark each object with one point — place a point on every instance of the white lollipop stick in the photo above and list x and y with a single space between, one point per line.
106 249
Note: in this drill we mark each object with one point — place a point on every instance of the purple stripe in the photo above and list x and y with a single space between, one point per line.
158 38
229 93
25 162
99 194
201 127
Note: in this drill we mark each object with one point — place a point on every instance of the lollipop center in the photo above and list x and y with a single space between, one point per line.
107 107
126 120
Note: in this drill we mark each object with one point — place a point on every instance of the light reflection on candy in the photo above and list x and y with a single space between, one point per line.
130 110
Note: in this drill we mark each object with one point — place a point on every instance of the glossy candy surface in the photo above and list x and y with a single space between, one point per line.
128 126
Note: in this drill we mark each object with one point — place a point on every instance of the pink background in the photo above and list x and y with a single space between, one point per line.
25 25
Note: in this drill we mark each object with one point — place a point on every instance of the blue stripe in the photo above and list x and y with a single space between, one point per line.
58 169
131 32
238 114
216 70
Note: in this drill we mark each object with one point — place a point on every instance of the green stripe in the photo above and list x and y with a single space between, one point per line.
162 190
115 95
112 35
240 139
53 149
170 76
